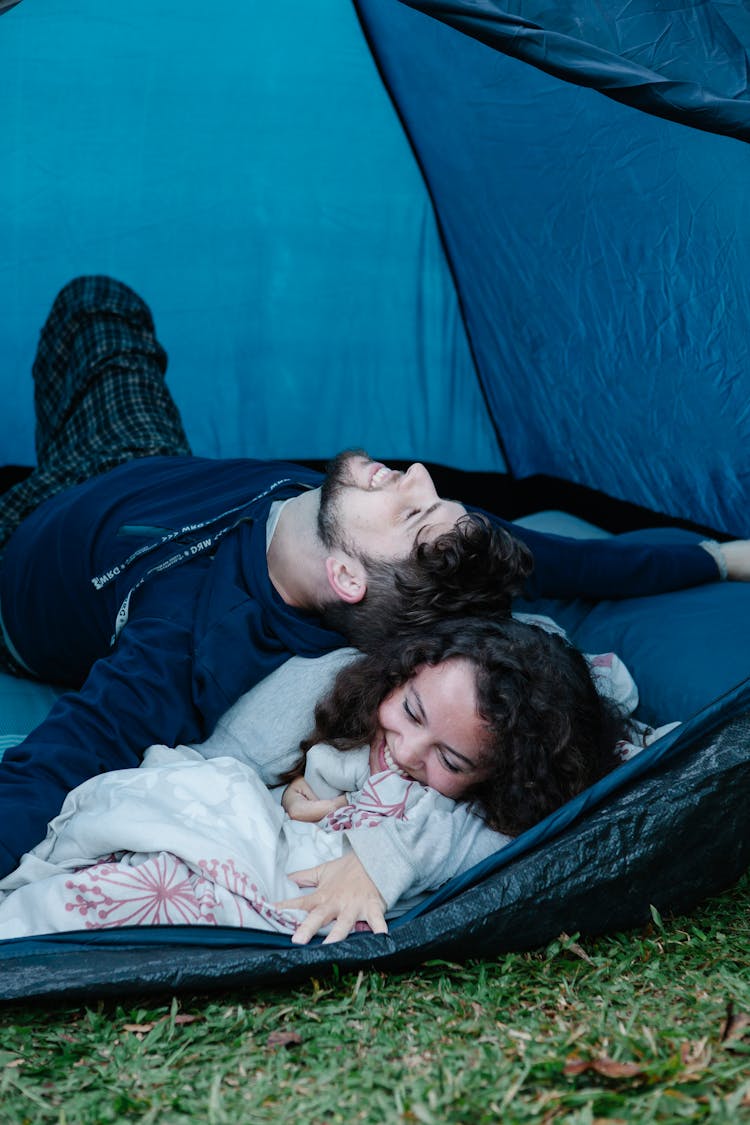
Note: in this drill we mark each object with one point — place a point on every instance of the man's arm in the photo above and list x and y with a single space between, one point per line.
139 694
620 566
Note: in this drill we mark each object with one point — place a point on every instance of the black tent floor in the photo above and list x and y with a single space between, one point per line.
670 839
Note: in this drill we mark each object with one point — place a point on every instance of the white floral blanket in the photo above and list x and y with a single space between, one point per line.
182 840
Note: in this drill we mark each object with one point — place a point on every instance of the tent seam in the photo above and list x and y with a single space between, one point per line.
441 234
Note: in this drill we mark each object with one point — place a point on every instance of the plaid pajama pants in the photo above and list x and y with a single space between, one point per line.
99 397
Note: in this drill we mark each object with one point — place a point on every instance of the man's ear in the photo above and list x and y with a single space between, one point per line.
347 578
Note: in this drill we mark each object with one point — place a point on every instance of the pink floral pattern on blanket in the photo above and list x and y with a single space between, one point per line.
163 890
383 794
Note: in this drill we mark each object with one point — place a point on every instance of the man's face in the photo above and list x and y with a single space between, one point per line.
371 511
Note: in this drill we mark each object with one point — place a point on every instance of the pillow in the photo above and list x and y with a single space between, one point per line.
684 649
23 705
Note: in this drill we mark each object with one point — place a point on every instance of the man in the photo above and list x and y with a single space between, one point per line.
163 586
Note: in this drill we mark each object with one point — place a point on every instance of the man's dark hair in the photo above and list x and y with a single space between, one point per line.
548 732
473 570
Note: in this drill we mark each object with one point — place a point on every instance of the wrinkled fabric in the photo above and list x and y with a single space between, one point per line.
686 63
600 252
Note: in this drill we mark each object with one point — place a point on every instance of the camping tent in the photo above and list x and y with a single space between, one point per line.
509 240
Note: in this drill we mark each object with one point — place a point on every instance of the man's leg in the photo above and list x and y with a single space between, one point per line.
99 394
99 397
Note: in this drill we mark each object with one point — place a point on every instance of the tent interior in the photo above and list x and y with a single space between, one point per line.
513 248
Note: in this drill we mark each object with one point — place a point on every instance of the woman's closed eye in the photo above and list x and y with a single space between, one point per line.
448 762
412 715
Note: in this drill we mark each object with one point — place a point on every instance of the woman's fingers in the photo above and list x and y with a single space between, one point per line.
307 929
303 805
310 877
347 922
344 895
313 811
376 921
341 928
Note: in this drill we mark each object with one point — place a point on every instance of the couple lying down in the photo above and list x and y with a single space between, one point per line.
425 757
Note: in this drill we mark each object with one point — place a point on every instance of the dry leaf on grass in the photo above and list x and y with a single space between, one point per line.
734 1026
695 1055
180 1020
608 1068
572 946
286 1039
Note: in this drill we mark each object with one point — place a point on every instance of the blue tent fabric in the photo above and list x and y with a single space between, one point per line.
687 63
262 198
600 255
357 224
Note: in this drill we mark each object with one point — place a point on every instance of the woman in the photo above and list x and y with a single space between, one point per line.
465 736
535 728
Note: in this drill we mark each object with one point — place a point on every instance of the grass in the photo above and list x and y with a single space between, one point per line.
652 1026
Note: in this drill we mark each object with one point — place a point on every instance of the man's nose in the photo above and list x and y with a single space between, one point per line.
419 482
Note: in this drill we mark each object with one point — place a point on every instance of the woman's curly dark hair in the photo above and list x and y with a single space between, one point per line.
550 734
473 570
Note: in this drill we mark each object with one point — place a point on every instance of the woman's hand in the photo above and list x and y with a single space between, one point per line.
345 895
299 801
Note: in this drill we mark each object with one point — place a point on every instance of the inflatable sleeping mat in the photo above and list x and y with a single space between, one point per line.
507 239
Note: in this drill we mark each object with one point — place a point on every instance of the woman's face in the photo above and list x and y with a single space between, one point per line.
429 728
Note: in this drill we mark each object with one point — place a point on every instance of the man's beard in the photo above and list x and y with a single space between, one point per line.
338 477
